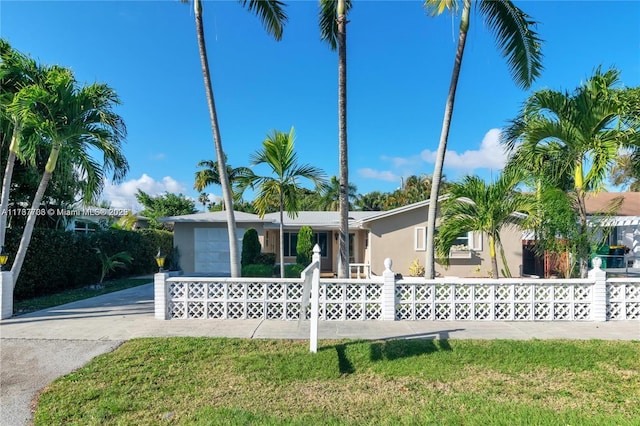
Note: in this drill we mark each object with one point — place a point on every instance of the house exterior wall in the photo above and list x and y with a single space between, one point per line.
183 239
402 237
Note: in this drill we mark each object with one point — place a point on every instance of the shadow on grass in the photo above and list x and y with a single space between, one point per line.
391 349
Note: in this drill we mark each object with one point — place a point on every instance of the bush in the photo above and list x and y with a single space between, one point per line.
304 247
290 271
250 247
266 259
59 260
293 271
257 271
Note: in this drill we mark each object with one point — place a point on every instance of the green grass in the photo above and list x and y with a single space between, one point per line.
43 302
203 381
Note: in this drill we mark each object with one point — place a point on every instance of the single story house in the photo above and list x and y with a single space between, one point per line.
399 234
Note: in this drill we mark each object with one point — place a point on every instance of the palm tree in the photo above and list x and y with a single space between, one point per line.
584 130
333 30
203 199
273 17
278 154
330 196
18 75
210 175
372 201
626 171
519 43
75 122
477 206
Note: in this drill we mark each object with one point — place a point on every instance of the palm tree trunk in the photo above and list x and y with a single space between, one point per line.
442 147
343 245
492 255
6 184
281 235
234 258
35 205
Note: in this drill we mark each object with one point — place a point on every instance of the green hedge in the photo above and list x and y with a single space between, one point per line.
59 260
257 271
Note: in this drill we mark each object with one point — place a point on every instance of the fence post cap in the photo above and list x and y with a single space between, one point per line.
596 262
316 249
387 264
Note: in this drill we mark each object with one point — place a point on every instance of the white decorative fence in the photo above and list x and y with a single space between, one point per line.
385 298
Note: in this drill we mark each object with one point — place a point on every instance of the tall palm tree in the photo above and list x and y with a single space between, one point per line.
330 196
519 43
477 206
210 175
371 201
278 154
75 122
333 30
585 130
18 75
273 17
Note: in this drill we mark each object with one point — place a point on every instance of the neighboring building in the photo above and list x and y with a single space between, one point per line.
90 219
398 234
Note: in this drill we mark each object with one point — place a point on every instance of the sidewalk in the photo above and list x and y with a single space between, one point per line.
37 348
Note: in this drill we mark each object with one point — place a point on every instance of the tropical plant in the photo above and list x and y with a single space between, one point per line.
519 43
77 121
203 199
210 175
251 247
164 205
304 246
111 263
583 131
475 206
626 171
371 201
273 17
330 197
278 154
333 30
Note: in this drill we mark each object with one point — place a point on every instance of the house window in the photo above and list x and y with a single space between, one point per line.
420 238
291 242
470 240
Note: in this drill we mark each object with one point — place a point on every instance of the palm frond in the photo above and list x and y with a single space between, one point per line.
271 14
328 20
516 37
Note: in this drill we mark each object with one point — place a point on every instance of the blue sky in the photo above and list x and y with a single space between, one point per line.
399 66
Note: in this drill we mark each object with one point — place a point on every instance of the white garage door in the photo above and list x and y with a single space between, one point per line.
212 250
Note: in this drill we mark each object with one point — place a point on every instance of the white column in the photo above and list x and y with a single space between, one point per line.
161 294
599 304
6 294
315 301
388 292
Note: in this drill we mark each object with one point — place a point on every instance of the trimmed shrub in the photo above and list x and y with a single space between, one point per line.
251 247
257 271
266 259
293 271
58 260
304 247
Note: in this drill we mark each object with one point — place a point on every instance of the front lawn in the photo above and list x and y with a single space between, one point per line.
206 381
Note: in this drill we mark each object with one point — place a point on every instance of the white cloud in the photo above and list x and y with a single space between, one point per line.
491 155
123 195
158 156
380 175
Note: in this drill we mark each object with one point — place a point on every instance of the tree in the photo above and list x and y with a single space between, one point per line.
330 198
210 175
583 130
626 171
371 201
273 17
167 204
18 75
278 154
203 199
251 247
519 43
333 30
304 246
76 122
475 206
